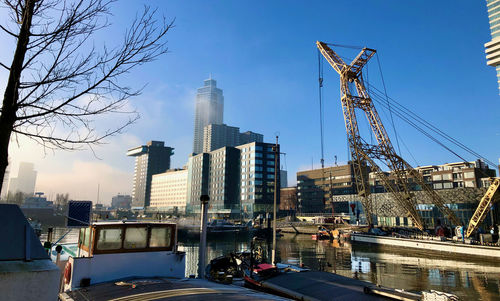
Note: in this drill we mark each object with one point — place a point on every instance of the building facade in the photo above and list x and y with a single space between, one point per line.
315 187
209 110
248 137
25 180
169 191
288 198
150 159
257 169
493 46
121 201
238 180
216 136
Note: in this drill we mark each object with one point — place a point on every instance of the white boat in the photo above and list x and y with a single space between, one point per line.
138 261
113 250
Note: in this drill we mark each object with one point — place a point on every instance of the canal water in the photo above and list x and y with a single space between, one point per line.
470 279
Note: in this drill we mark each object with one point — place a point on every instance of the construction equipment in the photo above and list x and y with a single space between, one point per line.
491 195
355 97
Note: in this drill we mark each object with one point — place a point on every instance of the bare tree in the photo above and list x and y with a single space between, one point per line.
60 83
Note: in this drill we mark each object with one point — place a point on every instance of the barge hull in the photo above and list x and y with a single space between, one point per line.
446 247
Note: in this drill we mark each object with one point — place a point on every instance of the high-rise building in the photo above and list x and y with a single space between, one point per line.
237 179
216 136
209 110
169 191
493 46
25 181
283 178
249 137
150 159
257 168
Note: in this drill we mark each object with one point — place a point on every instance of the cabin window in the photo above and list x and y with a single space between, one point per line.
86 240
160 237
109 239
135 237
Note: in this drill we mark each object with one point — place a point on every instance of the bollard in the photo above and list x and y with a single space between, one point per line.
203 236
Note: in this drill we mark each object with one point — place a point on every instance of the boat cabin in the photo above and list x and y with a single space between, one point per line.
116 250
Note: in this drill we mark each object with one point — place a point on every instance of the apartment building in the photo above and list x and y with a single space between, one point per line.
169 191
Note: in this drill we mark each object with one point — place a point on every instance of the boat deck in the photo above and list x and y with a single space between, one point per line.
316 285
164 289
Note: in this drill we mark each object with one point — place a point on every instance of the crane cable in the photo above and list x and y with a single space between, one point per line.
398 107
321 122
388 104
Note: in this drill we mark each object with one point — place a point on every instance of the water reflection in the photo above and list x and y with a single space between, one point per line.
409 270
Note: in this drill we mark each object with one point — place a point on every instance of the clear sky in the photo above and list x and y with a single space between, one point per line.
263 56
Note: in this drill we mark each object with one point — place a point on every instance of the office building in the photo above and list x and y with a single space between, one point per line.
493 46
257 168
315 186
248 137
283 178
216 136
237 179
25 180
150 159
121 201
209 110
169 191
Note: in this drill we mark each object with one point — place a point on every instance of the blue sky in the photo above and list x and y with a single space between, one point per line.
263 56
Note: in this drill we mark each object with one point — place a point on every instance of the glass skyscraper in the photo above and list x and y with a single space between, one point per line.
209 110
493 47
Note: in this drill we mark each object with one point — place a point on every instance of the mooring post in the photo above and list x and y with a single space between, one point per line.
203 236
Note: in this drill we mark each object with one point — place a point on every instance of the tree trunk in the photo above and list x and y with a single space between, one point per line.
11 95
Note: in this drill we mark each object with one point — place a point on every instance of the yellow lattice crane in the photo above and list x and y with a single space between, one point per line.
491 195
355 98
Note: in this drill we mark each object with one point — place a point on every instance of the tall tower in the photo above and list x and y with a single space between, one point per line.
209 110
26 179
150 159
493 46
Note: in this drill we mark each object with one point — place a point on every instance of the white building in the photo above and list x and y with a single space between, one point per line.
169 190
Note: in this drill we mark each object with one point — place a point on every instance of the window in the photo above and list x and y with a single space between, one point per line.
447 176
469 183
438 186
270 169
436 178
447 185
135 237
160 237
109 239
469 174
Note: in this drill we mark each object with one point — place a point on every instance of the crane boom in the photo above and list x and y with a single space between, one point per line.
355 97
487 200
